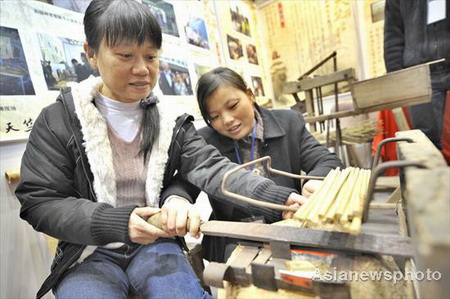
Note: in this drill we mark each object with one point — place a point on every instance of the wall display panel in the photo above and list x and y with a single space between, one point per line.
216 56
373 11
51 35
63 61
252 55
235 49
14 74
302 33
243 44
174 77
195 30
31 30
74 5
165 14
239 20
177 77
257 86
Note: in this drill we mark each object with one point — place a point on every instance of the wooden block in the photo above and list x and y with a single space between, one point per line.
407 86
310 83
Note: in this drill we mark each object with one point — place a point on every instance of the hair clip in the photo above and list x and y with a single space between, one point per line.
148 101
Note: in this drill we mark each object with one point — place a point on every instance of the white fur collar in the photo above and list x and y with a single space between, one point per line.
99 153
98 147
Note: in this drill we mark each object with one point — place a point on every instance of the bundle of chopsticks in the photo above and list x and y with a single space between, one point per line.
338 203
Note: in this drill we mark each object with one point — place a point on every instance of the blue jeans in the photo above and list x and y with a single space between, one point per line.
157 270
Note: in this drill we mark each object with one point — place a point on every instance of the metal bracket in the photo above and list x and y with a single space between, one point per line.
270 169
264 276
239 276
215 274
376 158
280 250
377 172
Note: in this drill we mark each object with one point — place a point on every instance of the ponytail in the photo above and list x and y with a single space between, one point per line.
151 125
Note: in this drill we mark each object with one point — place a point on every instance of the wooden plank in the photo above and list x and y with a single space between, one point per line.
245 257
310 83
395 196
309 101
400 119
263 256
401 86
387 182
312 119
368 243
393 105
400 103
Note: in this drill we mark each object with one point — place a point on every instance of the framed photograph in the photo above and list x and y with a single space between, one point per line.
174 79
252 56
63 60
234 48
196 34
74 5
15 77
258 87
165 15
240 21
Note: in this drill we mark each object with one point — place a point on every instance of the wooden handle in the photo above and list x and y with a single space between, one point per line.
155 220
12 175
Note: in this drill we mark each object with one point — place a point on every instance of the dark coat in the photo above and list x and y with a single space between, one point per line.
58 130
409 41
67 175
292 149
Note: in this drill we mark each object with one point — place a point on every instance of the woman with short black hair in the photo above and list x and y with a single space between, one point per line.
101 160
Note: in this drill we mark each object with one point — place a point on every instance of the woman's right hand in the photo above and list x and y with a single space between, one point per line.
142 232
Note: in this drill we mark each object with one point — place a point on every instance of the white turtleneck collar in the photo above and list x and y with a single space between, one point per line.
124 118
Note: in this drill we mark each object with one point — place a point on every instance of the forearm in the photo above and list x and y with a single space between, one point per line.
207 174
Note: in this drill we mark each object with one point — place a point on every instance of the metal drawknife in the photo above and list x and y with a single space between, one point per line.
394 245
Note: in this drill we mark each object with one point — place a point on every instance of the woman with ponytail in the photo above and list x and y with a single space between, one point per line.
102 159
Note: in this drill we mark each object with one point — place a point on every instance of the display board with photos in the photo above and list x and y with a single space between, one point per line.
42 51
165 15
15 77
243 47
174 78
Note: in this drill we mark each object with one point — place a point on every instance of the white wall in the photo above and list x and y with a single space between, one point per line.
24 256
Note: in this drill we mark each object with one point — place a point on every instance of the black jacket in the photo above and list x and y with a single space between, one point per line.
67 179
409 41
292 149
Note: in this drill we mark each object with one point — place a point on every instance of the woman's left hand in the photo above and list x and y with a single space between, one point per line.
296 201
175 214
